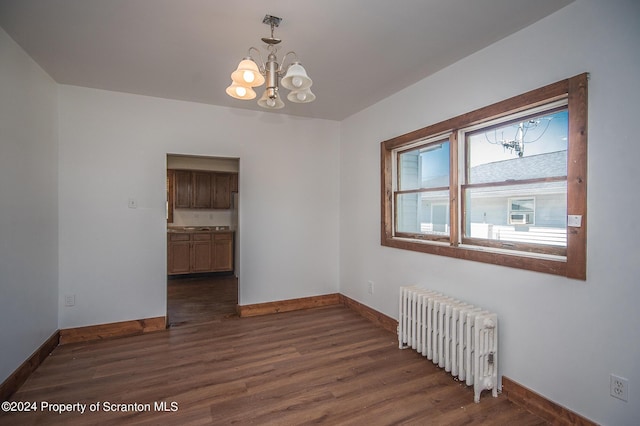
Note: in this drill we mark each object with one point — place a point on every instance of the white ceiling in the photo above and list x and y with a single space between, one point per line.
356 51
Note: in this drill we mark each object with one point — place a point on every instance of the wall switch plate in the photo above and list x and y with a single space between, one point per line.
619 387
70 300
370 287
133 204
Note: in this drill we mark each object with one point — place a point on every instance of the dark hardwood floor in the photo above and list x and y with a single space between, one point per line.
325 365
194 300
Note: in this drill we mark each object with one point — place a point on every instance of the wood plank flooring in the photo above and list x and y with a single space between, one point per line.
196 300
325 366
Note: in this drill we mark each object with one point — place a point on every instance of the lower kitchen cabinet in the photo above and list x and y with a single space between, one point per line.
223 252
199 252
179 253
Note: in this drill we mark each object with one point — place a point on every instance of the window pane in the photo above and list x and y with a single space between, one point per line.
539 219
522 204
424 167
535 147
423 213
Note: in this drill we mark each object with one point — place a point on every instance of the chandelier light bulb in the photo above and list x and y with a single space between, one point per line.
248 76
271 102
301 96
296 81
241 91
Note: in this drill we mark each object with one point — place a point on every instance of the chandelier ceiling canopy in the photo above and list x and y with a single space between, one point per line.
250 74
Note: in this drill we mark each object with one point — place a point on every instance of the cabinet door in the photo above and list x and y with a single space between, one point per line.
221 191
201 253
201 190
179 261
182 188
234 182
223 251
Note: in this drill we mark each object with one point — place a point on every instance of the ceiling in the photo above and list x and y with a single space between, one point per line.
356 51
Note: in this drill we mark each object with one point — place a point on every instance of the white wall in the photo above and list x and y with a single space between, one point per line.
559 337
28 206
113 147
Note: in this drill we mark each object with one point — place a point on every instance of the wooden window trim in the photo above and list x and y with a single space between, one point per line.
573 89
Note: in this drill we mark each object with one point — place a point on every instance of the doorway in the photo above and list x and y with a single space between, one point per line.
202 239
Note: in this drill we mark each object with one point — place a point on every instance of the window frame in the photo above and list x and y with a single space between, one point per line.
573 265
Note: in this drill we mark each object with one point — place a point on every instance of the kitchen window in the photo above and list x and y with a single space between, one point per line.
495 185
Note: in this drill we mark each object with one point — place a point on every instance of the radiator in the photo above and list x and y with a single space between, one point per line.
457 336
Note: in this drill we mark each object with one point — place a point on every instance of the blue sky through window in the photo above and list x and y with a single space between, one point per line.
540 135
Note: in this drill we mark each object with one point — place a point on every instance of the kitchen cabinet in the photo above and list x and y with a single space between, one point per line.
222 252
201 250
201 190
196 252
222 191
182 188
204 190
179 254
234 182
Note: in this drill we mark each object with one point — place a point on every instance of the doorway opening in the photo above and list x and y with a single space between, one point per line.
202 239
197 300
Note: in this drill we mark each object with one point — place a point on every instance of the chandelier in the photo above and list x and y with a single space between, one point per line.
250 74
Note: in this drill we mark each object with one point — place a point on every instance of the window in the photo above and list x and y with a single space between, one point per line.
495 185
422 196
522 211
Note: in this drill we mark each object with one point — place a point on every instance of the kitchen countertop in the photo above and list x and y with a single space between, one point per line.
191 229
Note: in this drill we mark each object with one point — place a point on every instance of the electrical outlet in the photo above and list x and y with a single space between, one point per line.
370 286
619 387
70 300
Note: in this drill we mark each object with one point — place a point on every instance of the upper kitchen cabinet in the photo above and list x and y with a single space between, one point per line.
221 191
204 190
183 188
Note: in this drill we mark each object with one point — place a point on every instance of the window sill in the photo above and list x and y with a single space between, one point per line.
550 264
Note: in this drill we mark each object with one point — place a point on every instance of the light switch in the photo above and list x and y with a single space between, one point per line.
574 220
133 204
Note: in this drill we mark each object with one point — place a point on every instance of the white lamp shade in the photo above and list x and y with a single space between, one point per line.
240 92
247 74
269 103
296 78
301 96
